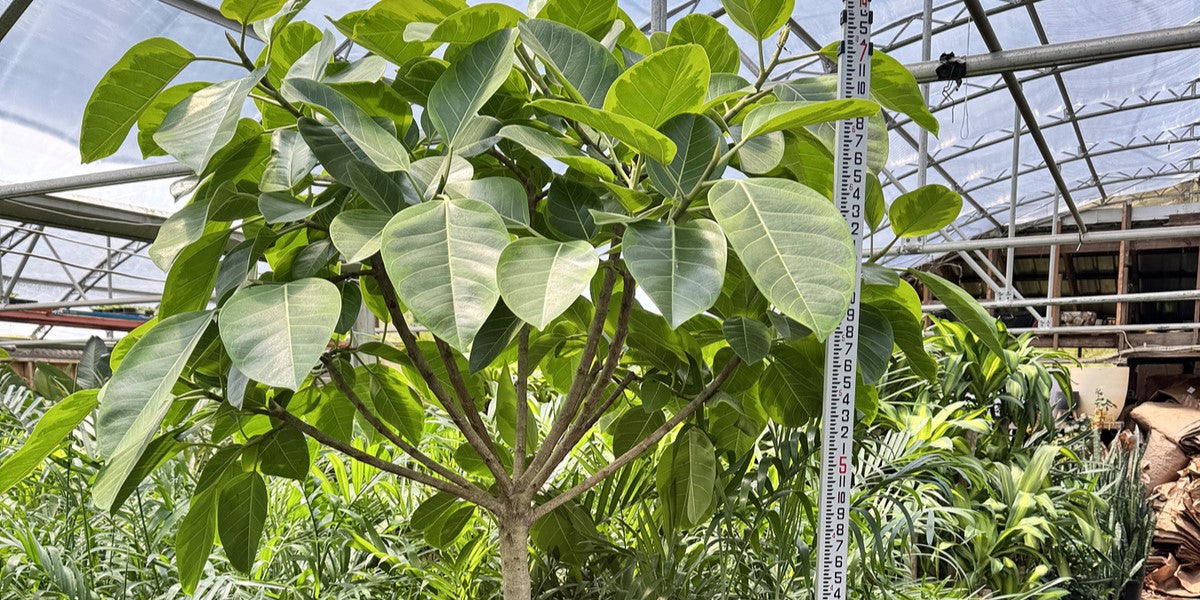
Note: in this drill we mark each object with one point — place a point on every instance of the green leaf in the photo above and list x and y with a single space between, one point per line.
680 265
380 146
178 231
637 135
875 344
545 145
386 192
241 515
875 206
137 398
285 453
907 328
790 388
699 142
809 161
332 146
386 391
568 209
795 245
283 208
249 11
358 234
128 89
504 194
194 539
686 478
275 333
710 34
924 210
195 129
669 82
495 336
965 309
574 57
750 339
778 116
894 86
190 281
291 161
154 114
761 154
633 426
539 279
52 429
470 24
442 257
93 368
593 17
731 427
476 73
759 18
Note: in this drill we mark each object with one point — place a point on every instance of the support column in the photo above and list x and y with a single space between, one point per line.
1124 254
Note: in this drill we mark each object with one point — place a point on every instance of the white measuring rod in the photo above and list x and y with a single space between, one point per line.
841 352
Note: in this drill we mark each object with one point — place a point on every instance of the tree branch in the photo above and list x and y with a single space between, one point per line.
596 389
582 373
465 399
522 429
294 422
388 291
391 435
641 447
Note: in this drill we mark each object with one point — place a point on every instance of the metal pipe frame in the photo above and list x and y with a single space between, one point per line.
1033 241
1179 295
1090 329
984 26
209 13
1109 48
142 299
11 15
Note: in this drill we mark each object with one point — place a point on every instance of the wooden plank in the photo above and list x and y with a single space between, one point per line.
1124 260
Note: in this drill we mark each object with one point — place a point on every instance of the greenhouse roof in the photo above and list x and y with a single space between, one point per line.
1113 127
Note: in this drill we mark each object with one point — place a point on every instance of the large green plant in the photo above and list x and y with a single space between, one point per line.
496 187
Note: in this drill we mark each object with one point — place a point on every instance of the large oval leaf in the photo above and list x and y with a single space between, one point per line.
204 122
593 17
386 391
125 91
778 116
759 18
710 34
291 160
924 210
790 388
699 141
476 73
794 244
633 426
750 339
669 82
681 266
241 515
686 478
249 11
137 398
578 59
358 234
376 142
876 341
442 257
540 279
275 333
636 134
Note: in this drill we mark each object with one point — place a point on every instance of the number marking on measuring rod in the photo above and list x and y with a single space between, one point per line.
841 354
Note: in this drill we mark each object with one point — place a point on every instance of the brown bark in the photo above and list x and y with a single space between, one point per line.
514 556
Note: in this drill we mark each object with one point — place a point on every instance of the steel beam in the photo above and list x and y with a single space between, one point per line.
1035 131
11 15
88 217
1065 329
1033 241
142 299
209 13
1056 55
95 180
1180 295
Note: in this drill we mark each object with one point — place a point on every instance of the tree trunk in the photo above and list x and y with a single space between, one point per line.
514 558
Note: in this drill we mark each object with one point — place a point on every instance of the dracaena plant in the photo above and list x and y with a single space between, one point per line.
552 211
